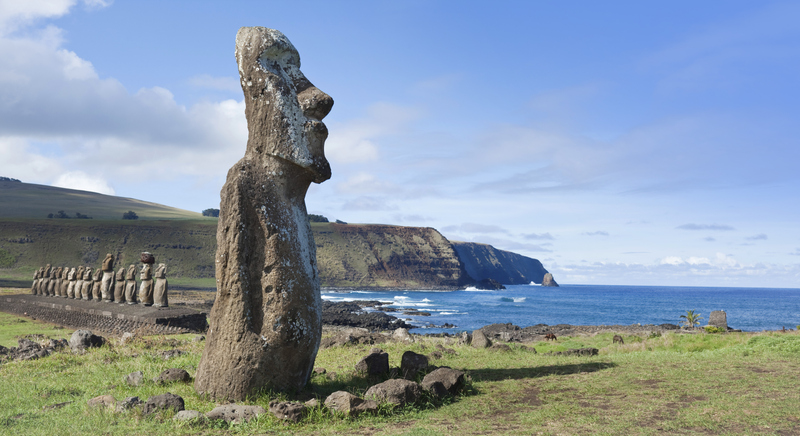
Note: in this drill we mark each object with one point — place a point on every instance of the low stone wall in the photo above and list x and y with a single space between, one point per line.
107 317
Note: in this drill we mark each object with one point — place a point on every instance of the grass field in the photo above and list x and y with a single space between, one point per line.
737 383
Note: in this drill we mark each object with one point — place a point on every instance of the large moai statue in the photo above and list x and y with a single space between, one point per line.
161 287
107 286
44 288
146 285
35 285
97 283
130 285
64 282
51 286
119 286
71 282
86 285
266 322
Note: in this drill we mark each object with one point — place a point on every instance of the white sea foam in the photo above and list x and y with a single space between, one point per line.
519 299
426 300
474 289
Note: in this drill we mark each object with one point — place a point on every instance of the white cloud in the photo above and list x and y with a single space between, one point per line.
692 226
364 183
84 182
358 141
218 83
596 233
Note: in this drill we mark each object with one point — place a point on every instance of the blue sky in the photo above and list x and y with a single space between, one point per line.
621 142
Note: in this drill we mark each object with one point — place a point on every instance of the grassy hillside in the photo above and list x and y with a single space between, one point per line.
27 200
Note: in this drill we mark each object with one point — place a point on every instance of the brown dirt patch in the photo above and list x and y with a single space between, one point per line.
530 396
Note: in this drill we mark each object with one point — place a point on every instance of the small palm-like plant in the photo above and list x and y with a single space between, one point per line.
691 319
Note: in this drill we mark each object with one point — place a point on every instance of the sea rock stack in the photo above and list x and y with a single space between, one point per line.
548 280
265 326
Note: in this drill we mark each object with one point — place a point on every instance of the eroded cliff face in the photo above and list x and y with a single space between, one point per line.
483 261
387 256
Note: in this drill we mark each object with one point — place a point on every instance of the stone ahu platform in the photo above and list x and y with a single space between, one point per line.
107 317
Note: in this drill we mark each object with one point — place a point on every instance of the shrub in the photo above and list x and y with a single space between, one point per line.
713 329
317 218
211 212
130 215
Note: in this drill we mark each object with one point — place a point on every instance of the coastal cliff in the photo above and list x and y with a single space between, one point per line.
482 261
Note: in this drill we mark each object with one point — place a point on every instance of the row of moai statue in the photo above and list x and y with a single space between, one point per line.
103 284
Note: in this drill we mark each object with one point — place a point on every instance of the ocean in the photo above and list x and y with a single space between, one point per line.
748 309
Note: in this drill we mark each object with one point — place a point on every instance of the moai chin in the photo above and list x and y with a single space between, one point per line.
266 322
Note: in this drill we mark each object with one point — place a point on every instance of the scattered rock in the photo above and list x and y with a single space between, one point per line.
127 338
445 350
490 285
173 375
189 415
500 347
169 354
352 336
395 391
402 335
128 403
287 410
464 338
163 402
134 378
235 413
319 370
412 363
376 363
349 404
83 339
56 406
479 340
198 338
450 381
436 355
576 352
312 403
350 313
102 401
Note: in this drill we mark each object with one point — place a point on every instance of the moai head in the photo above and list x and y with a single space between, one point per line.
120 274
161 271
108 262
131 274
98 275
87 273
283 109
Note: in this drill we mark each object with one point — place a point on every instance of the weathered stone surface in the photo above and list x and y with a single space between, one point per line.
287 410
161 287
451 380
163 402
464 338
235 413
395 391
127 338
173 375
119 286
189 415
479 340
376 363
412 363
349 404
548 280
146 285
265 326
500 347
83 339
130 285
718 318
134 378
97 285
402 335
107 284
128 403
169 354
102 401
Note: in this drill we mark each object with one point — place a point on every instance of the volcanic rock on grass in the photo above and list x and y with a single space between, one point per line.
235 413
134 378
354 336
189 415
83 339
402 335
163 402
287 410
173 375
102 401
576 352
376 363
444 381
266 323
128 403
349 404
412 363
395 391
479 340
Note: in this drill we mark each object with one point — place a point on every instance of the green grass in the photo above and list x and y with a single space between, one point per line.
740 383
13 327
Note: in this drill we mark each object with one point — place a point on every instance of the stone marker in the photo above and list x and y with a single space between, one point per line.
718 318
160 291
130 285
107 286
146 285
119 286
266 323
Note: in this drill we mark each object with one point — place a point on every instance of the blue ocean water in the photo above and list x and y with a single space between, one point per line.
749 309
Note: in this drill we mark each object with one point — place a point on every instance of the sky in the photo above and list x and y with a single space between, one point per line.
619 142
